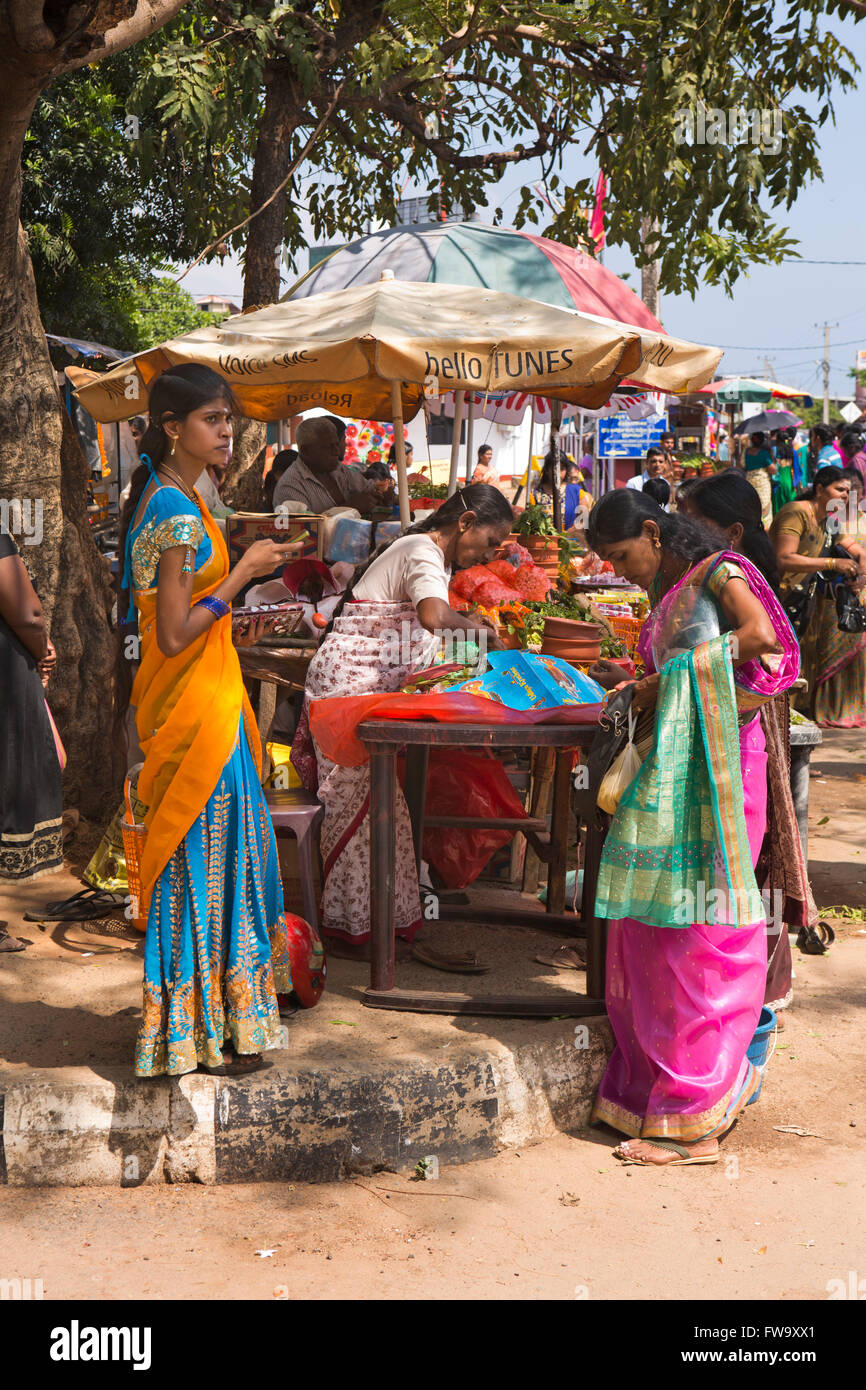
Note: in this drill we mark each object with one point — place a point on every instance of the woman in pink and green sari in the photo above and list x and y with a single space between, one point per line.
687 953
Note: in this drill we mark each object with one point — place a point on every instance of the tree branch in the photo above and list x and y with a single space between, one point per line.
279 188
149 15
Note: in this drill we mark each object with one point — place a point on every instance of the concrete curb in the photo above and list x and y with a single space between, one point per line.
74 1127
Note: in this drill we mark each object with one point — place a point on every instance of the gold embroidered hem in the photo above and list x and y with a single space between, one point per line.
154 1056
706 1124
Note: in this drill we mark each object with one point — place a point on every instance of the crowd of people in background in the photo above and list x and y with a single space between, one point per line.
809 488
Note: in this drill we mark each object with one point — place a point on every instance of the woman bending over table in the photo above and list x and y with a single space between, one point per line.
215 949
687 956
388 625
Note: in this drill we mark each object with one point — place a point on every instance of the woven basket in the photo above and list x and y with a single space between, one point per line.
134 836
627 630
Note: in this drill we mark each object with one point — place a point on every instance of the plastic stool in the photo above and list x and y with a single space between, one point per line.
299 812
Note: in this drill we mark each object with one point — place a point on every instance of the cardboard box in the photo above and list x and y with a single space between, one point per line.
244 528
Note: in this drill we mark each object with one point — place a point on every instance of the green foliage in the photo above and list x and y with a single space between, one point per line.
445 94
534 521
114 305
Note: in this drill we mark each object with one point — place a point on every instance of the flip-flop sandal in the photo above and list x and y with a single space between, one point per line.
558 960
467 964
8 943
815 941
113 926
81 907
686 1157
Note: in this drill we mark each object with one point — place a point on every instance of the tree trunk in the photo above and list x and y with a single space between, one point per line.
56 544
271 164
649 275
244 493
250 438
49 483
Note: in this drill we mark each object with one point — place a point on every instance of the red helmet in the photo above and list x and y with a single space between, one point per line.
306 960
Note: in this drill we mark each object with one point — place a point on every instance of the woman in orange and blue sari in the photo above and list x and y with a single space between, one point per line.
687 954
215 945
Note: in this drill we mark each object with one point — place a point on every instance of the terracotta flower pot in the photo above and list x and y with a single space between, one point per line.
708 469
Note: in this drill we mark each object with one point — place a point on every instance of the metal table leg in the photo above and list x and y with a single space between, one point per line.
383 771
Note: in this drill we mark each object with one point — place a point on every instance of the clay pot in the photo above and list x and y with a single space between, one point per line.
545 553
578 653
571 630
708 469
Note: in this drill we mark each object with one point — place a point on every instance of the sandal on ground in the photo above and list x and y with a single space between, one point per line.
815 941
571 957
465 964
8 943
113 926
686 1156
81 907
241 1064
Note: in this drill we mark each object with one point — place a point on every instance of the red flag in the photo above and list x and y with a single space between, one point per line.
596 226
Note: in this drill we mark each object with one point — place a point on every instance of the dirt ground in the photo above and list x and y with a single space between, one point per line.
781 1216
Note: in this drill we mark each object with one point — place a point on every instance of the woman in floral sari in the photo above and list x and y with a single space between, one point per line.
390 624
687 956
834 662
215 946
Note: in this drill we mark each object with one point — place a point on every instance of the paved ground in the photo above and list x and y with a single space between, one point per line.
781 1217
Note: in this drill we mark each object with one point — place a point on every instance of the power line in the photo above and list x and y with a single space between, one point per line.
803 347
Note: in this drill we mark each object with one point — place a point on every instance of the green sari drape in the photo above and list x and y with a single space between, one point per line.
677 851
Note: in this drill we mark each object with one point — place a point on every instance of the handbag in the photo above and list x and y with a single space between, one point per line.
850 613
614 732
799 604
621 773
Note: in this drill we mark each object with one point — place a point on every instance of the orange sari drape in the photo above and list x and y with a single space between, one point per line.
187 712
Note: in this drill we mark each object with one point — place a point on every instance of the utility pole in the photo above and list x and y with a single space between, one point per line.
826 327
768 370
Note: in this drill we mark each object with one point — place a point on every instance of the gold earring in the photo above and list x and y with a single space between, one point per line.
173 447
657 545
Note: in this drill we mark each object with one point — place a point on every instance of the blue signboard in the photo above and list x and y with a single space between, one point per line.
620 437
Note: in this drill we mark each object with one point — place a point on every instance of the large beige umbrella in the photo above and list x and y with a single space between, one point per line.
371 352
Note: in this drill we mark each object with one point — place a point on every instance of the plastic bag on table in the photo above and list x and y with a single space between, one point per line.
621 773
466 784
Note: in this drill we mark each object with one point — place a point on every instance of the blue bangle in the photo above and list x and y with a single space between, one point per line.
215 605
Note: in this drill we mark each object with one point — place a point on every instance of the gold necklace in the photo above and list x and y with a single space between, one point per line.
164 468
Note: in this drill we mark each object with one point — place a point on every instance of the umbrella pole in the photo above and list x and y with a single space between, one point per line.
400 451
470 422
459 398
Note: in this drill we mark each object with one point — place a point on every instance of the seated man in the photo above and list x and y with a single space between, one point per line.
318 476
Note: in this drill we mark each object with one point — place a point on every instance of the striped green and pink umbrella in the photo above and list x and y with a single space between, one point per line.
472 253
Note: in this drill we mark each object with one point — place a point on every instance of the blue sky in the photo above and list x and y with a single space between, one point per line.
773 311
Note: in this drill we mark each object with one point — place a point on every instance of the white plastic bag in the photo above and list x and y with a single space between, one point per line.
621 772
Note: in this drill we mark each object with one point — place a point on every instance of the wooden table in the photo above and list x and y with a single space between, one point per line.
383 738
